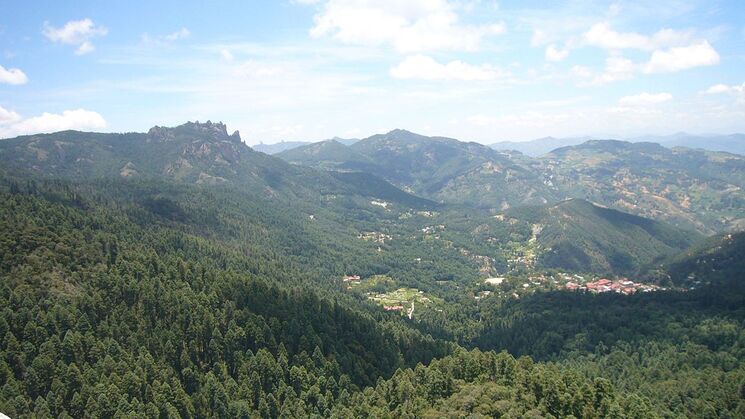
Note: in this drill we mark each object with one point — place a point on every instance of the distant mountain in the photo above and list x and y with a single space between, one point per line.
439 168
577 235
289 145
733 143
200 153
698 189
330 154
694 189
278 147
538 147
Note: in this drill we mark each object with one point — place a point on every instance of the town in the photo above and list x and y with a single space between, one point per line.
621 286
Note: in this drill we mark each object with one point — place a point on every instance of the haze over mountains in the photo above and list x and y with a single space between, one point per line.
732 143
289 145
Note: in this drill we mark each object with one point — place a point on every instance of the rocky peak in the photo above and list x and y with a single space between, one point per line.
216 131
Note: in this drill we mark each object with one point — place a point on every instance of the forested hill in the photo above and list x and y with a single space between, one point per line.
178 273
111 307
718 259
577 235
196 153
692 189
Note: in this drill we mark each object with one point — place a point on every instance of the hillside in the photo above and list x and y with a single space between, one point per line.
576 235
438 168
329 154
234 298
196 153
717 259
695 189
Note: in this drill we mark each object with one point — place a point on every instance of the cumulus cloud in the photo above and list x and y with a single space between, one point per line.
426 68
555 54
737 90
682 58
410 26
75 32
717 88
12 76
11 123
603 36
616 68
7 116
645 99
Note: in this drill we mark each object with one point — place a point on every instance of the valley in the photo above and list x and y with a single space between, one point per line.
372 209
335 274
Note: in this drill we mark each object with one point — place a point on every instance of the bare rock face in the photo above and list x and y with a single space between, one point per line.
212 131
128 170
163 134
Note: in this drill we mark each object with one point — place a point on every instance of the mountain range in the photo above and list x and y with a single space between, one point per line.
179 272
732 143
691 188
289 145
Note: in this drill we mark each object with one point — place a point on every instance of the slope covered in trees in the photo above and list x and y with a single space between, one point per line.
693 189
110 309
577 235
141 291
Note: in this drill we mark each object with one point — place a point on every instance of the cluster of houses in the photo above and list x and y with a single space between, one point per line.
393 308
352 278
375 236
432 229
621 286
383 204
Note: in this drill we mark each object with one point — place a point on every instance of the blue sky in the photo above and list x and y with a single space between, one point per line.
313 69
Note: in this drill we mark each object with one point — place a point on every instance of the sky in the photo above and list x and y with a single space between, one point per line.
483 71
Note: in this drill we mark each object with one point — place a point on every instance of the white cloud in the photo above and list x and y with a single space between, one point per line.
737 90
603 36
426 68
12 76
718 88
182 33
75 32
555 54
7 116
617 68
408 26
12 124
682 58
644 99
164 40
85 48
226 54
